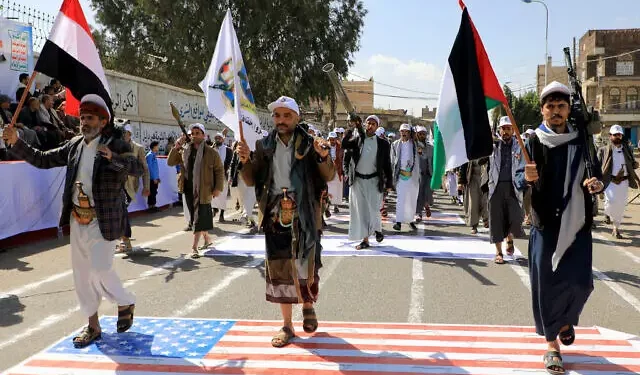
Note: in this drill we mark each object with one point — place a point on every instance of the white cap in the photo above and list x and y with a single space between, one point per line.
318 132
405 127
420 129
332 135
97 100
374 118
530 131
391 135
554 86
128 128
616 129
504 121
340 130
380 131
199 126
285 102
265 133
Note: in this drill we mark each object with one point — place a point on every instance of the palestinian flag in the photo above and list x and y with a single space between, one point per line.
70 55
469 89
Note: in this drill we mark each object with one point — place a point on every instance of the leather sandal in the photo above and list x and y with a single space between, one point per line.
125 319
510 248
282 338
553 363
86 337
567 337
309 320
363 245
499 259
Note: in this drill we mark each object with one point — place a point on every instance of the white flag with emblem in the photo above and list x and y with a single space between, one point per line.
226 87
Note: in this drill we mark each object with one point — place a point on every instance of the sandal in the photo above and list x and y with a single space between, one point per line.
194 253
125 319
205 246
427 211
363 245
510 248
499 259
567 337
86 337
282 338
379 237
309 320
553 362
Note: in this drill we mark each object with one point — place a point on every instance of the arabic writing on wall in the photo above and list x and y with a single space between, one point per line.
124 96
191 111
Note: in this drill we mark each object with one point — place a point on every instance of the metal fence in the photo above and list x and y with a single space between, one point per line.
41 22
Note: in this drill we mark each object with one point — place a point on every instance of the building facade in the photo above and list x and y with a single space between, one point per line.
556 73
608 65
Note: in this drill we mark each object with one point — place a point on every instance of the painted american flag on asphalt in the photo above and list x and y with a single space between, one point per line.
202 346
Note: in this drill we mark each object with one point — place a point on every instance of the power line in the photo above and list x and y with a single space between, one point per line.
394 96
395 87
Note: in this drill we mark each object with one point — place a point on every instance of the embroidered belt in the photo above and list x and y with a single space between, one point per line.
367 176
83 215
405 175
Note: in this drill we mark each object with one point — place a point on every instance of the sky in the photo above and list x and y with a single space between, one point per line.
405 43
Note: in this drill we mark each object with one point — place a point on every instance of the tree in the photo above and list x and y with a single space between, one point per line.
284 43
525 109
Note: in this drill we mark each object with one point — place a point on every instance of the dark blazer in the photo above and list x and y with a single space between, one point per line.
109 178
353 144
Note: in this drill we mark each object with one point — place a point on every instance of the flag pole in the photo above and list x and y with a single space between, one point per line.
517 133
14 119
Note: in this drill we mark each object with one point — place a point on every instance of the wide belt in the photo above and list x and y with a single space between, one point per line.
83 215
367 176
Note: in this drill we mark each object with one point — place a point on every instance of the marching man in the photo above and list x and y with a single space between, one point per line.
289 170
618 175
405 162
93 204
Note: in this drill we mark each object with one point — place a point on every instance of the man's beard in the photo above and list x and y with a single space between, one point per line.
284 129
218 144
90 134
616 141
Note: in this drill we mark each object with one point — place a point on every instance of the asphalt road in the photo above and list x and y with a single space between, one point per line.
38 304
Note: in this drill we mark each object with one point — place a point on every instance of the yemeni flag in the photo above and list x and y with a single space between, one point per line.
71 56
469 89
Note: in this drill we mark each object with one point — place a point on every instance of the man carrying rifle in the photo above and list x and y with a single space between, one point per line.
560 244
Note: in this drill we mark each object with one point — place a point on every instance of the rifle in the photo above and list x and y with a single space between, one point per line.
582 118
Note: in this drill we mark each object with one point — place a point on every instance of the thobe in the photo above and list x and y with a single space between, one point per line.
365 198
92 255
506 183
405 159
335 186
559 296
220 202
425 194
452 183
615 196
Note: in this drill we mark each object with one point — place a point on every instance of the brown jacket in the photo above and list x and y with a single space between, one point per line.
261 162
133 182
211 174
606 160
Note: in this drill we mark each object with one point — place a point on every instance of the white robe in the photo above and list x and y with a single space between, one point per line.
452 183
615 196
364 197
407 190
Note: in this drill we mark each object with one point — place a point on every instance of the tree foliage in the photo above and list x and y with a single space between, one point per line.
284 43
525 109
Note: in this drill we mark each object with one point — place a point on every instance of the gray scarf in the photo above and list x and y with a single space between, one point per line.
573 216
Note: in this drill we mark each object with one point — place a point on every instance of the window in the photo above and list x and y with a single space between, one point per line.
614 98
632 98
624 68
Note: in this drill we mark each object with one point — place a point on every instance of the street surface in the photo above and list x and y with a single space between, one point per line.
430 301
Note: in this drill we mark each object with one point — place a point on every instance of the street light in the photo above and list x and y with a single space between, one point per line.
546 37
